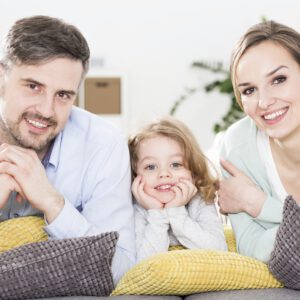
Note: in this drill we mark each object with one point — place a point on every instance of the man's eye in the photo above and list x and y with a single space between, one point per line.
150 167
63 95
33 86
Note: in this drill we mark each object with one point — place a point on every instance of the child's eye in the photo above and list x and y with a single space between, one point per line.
248 91
279 79
150 167
176 165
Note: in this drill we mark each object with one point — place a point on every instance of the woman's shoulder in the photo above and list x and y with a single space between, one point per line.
242 133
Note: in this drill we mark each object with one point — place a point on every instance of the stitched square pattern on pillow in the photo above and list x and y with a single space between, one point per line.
67 267
285 257
185 272
20 231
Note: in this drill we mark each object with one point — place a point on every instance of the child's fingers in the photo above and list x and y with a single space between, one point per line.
184 189
189 187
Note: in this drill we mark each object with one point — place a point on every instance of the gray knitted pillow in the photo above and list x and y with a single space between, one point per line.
67 267
285 258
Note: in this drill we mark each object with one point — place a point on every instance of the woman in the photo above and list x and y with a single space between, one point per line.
260 154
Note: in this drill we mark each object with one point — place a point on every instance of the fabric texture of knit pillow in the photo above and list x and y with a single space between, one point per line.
285 257
54 268
20 231
185 272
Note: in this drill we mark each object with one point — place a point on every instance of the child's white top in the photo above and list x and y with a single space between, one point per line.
194 226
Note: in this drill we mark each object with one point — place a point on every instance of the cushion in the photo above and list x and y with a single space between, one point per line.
19 231
53 268
185 272
285 257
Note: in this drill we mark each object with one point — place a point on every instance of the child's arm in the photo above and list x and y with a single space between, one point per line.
197 226
151 227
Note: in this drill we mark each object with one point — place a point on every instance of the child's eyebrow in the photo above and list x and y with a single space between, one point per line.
147 158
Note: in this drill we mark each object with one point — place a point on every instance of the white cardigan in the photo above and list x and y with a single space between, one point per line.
194 226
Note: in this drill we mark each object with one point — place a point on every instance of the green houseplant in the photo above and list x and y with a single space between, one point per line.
223 86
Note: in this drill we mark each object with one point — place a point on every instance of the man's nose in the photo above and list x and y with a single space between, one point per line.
45 106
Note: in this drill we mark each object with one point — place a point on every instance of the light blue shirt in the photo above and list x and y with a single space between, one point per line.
89 165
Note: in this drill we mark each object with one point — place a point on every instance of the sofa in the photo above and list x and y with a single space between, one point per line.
175 275
253 294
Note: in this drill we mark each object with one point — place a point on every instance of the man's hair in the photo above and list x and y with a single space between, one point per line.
38 39
194 158
272 31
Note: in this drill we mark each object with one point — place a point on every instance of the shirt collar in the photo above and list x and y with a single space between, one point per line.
55 151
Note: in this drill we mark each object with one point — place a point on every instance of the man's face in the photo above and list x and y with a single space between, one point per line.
36 101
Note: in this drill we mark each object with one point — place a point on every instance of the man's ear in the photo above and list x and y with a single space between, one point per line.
2 74
2 70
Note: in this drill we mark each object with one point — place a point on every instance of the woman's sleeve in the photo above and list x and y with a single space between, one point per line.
255 237
151 228
203 231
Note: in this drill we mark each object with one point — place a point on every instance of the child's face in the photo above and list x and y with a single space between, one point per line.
161 164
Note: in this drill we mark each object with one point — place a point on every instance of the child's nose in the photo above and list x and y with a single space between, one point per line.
164 173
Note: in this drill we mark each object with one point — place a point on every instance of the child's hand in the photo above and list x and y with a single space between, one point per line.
141 197
184 191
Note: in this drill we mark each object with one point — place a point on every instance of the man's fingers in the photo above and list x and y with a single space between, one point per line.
230 168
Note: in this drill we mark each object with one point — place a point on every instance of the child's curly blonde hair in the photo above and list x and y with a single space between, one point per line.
194 158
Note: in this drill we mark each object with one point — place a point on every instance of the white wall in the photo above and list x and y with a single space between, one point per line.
153 43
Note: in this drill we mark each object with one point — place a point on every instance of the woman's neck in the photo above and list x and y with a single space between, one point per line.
286 151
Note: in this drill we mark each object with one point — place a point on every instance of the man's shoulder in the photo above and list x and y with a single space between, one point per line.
88 127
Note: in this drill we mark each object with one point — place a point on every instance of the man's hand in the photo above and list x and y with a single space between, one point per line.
7 186
184 191
141 197
238 193
24 166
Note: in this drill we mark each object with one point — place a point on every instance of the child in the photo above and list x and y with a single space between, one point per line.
174 191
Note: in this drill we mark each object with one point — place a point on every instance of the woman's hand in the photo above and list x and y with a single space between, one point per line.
141 197
238 193
184 191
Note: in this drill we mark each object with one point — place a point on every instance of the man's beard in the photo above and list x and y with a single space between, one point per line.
10 133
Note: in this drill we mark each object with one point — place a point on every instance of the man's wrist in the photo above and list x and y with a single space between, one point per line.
54 208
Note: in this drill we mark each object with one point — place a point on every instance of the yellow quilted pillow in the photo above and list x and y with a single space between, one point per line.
185 272
19 231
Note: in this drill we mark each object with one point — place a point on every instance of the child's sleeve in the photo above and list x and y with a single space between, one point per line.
197 226
151 227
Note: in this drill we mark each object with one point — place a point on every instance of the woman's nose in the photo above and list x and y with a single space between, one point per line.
265 99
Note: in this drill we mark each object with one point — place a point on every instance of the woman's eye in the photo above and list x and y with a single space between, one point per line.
150 167
248 91
279 79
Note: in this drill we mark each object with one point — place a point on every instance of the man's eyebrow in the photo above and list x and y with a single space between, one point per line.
30 80
70 92
268 75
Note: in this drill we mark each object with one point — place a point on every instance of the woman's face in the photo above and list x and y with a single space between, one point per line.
268 78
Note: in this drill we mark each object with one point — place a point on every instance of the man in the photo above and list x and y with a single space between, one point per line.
55 159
